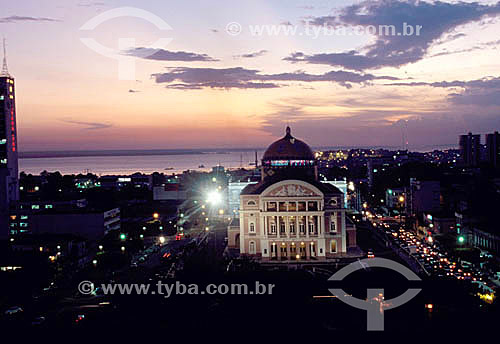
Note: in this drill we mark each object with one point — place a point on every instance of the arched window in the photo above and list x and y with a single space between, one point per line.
333 226
251 203
251 247
252 227
333 246
333 202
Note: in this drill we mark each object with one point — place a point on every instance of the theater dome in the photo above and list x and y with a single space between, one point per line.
288 148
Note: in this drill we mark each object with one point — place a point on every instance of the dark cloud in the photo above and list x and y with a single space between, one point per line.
89 125
479 46
374 126
14 19
133 91
239 77
166 55
481 92
436 18
214 30
252 55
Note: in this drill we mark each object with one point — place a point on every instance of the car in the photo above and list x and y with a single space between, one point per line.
13 310
370 254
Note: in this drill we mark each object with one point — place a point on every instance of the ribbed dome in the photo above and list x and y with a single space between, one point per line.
288 148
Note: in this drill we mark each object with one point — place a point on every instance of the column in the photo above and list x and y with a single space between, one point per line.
307 226
344 233
266 225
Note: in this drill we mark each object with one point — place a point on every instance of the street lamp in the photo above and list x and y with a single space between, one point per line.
214 197
162 240
123 237
461 239
401 201
156 216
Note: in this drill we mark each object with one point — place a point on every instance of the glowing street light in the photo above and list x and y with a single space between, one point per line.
156 216
351 186
162 240
123 237
214 197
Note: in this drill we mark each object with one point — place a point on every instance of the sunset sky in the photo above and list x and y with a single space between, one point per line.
211 88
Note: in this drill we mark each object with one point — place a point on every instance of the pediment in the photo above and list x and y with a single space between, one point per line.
292 190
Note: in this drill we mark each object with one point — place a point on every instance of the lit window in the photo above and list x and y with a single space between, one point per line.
333 246
2 97
48 206
35 206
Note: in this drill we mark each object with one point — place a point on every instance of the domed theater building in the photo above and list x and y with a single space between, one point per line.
290 215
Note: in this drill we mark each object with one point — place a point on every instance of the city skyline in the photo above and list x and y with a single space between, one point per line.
210 87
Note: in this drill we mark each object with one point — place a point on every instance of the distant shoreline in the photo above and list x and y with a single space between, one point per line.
123 152
150 152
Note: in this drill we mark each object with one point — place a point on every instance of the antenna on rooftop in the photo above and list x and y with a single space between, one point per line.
5 70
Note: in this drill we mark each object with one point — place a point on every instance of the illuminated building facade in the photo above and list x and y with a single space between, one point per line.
290 215
9 179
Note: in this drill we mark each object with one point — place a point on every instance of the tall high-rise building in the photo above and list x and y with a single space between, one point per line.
9 178
493 149
470 149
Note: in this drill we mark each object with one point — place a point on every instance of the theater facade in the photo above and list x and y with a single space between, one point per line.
290 215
